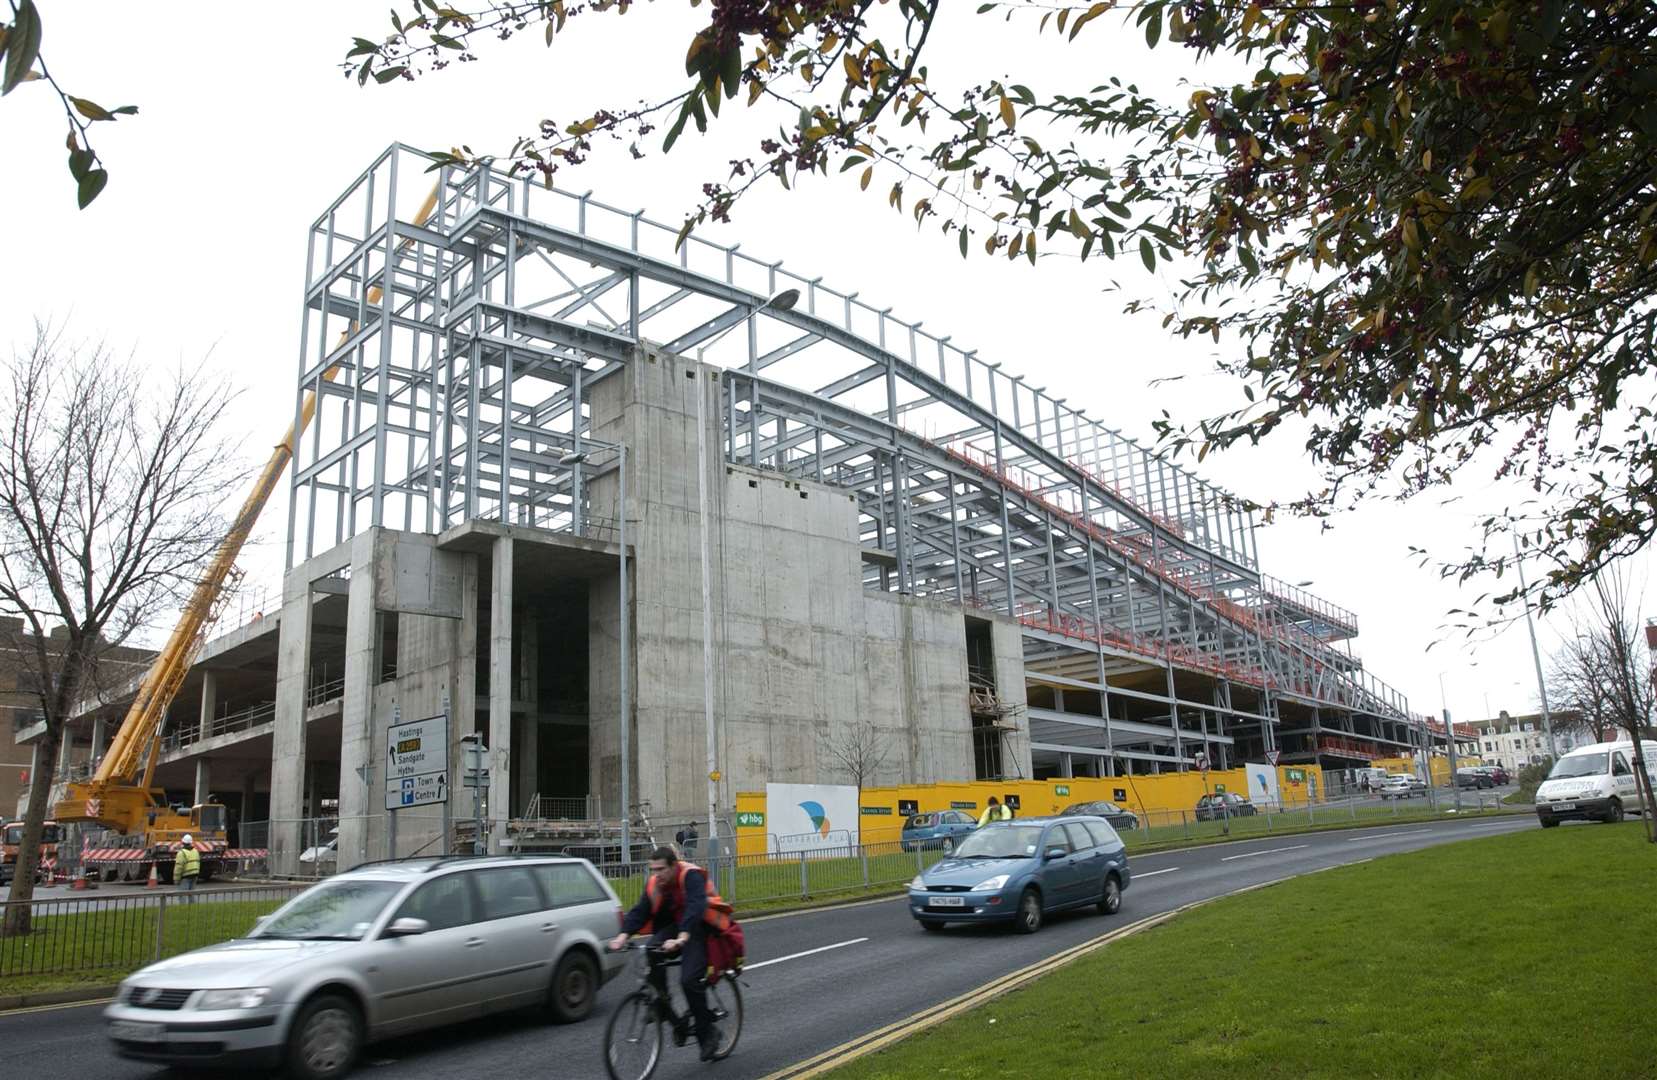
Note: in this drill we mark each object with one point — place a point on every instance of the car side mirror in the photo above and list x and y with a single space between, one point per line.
407 927
1055 853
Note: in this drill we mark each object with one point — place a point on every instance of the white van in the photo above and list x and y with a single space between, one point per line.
1594 783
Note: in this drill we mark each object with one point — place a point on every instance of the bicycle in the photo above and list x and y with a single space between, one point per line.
635 1030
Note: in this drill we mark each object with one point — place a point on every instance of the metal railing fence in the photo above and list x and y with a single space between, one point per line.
123 932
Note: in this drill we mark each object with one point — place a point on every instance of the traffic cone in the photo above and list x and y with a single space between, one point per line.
154 881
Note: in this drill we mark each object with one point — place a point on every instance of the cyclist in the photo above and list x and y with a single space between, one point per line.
678 909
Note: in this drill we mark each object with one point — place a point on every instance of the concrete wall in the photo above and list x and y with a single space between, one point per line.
801 650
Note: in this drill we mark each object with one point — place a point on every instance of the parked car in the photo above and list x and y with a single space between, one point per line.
1499 775
1120 817
1224 804
936 831
324 854
1021 871
1473 778
382 950
1593 783
1402 786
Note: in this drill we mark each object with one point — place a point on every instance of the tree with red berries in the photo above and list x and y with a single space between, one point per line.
1423 229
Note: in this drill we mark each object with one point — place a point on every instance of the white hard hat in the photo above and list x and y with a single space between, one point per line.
187 839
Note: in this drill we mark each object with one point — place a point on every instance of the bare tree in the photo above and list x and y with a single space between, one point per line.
857 750
1631 696
1579 682
111 486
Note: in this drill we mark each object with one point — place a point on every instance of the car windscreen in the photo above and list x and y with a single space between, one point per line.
333 911
14 834
1000 842
1579 765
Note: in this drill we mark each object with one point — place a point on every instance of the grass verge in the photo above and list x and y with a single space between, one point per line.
1509 956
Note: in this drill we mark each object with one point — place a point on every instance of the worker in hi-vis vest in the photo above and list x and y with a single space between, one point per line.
995 812
187 865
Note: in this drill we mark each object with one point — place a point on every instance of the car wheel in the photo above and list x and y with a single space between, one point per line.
325 1039
1613 813
1549 822
1028 920
1111 901
933 925
574 988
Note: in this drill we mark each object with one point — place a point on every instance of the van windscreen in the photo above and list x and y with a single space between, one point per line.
1579 765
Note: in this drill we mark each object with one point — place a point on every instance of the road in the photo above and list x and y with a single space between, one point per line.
868 965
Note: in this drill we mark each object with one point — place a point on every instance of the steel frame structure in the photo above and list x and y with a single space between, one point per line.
455 395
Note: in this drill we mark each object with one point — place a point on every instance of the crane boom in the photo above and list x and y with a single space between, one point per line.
118 795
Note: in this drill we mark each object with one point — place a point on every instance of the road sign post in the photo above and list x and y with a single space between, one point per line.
417 766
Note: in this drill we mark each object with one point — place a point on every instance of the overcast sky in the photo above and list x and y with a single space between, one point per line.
194 254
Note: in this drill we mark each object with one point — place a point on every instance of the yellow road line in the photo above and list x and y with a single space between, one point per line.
60 1005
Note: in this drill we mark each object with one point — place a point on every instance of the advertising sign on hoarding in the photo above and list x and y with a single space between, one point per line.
812 817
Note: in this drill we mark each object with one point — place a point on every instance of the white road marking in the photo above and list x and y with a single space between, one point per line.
808 952
1154 873
1380 836
1268 851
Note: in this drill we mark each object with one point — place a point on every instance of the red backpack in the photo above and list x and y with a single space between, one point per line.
726 951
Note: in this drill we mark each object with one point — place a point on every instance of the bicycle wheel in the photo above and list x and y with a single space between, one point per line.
633 1038
725 1002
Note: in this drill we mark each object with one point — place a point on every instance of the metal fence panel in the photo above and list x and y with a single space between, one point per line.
124 932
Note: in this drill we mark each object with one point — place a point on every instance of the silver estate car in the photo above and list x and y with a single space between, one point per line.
375 952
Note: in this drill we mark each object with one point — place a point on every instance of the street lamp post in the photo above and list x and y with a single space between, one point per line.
782 301
1449 743
1535 654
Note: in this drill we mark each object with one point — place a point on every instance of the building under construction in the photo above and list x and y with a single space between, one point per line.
576 487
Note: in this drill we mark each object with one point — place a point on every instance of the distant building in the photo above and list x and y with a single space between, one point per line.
1516 741
20 713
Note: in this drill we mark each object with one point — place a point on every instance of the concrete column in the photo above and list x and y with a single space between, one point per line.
250 791
357 802
100 740
209 701
463 691
287 757
499 734
204 779
1066 768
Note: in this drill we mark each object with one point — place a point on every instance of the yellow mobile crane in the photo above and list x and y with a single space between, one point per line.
119 796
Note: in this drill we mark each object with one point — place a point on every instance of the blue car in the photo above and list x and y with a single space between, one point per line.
939 831
1019 871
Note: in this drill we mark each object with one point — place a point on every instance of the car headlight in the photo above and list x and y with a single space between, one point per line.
246 997
994 884
918 884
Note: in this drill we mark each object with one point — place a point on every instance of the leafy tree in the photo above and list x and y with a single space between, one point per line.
21 62
1423 228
